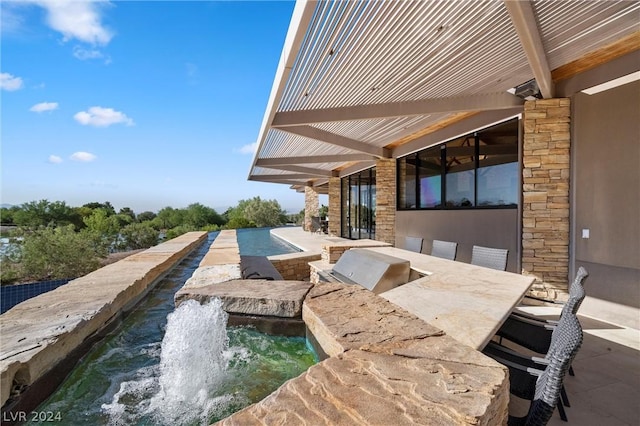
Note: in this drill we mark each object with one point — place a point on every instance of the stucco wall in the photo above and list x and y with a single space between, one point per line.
491 228
606 193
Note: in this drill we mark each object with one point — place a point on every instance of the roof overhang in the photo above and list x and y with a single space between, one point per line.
359 81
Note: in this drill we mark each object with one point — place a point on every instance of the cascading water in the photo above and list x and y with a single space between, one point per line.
193 364
176 368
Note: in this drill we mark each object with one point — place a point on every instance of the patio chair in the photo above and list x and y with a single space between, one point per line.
413 244
535 333
444 249
576 296
489 257
316 226
540 380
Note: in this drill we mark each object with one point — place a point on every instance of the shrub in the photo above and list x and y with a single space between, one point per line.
138 236
56 253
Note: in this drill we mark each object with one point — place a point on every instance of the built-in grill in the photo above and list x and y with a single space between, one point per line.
375 271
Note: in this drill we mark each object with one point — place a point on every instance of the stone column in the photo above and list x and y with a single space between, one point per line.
335 207
545 209
311 206
386 200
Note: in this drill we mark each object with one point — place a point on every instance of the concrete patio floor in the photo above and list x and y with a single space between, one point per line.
606 387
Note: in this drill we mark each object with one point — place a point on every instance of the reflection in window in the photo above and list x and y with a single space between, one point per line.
430 181
460 173
474 171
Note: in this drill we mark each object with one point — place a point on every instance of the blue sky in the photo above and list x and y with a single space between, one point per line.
145 104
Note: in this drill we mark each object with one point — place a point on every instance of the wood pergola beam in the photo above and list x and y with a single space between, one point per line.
313 159
488 101
338 140
524 21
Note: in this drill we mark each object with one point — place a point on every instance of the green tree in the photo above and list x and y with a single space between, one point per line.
168 218
138 236
102 229
106 206
44 213
146 216
7 214
54 253
128 212
199 216
260 212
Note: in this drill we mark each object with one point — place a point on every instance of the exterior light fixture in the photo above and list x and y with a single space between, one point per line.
528 91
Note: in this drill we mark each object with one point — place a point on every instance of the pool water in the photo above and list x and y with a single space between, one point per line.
178 367
260 242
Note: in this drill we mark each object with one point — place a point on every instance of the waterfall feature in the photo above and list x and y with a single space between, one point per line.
194 356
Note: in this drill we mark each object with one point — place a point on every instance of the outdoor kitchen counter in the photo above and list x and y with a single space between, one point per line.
467 302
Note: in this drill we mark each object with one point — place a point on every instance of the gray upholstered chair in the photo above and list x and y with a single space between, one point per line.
413 244
489 257
444 249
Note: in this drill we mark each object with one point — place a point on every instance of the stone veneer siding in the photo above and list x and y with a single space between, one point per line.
294 266
311 206
335 206
545 186
386 200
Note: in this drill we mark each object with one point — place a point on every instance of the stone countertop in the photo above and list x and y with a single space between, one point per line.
468 302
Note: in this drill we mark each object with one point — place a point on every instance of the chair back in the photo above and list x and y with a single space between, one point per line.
413 244
489 257
444 249
576 292
560 356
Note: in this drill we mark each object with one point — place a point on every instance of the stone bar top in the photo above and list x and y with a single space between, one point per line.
468 302
38 334
386 367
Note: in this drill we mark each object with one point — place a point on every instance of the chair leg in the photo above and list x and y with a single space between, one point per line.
563 415
565 398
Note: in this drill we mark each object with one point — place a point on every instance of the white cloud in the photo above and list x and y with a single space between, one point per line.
84 54
54 159
102 117
80 20
249 148
44 106
9 82
85 157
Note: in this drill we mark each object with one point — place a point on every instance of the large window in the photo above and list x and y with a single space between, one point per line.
359 205
474 171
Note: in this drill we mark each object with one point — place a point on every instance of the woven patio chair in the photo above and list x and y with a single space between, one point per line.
540 380
489 257
444 249
576 296
534 333
413 244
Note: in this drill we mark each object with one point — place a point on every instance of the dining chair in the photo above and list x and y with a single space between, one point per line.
444 249
413 244
488 257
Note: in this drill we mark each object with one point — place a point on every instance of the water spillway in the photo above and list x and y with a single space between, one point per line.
176 367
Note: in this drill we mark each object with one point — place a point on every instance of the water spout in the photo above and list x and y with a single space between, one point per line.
193 363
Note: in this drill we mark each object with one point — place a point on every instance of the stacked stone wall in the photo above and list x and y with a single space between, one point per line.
335 208
386 200
311 206
294 266
545 208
